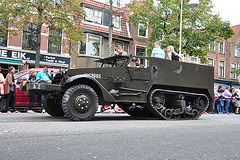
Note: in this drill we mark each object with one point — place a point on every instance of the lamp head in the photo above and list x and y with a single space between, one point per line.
193 4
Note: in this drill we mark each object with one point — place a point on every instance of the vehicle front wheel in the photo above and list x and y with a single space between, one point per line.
53 106
80 103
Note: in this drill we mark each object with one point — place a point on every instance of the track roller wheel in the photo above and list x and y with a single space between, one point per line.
156 102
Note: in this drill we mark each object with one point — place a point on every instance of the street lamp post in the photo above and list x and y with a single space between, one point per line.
192 4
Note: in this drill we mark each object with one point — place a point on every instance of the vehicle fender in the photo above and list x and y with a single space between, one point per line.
106 95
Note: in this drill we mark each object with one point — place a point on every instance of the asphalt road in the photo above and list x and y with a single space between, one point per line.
118 137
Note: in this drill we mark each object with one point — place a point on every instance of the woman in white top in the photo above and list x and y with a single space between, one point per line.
1 82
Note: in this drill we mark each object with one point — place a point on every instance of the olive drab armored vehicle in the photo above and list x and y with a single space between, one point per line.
162 88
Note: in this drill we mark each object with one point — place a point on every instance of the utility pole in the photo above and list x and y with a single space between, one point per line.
110 31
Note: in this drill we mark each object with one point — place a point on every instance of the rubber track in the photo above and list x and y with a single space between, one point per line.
186 93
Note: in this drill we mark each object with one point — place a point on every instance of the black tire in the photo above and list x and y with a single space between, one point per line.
135 111
53 106
3 104
80 103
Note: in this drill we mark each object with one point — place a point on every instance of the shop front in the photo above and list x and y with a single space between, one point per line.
23 60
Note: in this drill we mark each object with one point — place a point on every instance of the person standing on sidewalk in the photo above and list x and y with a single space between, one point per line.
33 97
228 95
220 100
10 90
44 75
1 82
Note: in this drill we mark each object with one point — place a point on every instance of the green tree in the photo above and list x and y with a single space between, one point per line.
63 15
200 26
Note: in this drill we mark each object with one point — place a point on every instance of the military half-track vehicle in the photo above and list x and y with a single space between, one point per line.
164 89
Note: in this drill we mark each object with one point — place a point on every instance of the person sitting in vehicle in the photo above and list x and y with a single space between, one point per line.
172 55
157 52
119 51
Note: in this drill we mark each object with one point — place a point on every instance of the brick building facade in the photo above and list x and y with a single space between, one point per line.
96 27
20 50
224 56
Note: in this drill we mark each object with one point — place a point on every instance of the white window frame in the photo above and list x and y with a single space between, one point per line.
224 71
223 45
233 75
139 46
212 61
96 15
92 22
145 60
236 51
100 49
146 31
114 21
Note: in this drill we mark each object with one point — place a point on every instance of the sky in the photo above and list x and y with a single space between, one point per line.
228 9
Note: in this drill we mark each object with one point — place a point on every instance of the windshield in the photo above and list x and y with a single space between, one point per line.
19 73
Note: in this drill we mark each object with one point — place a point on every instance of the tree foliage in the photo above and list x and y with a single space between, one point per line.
200 26
63 15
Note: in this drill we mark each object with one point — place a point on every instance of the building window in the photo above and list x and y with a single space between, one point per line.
212 47
221 47
141 51
194 60
221 73
94 16
236 51
91 46
102 18
29 41
233 68
82 47
54 41
116 21
142 31
3 38
210 62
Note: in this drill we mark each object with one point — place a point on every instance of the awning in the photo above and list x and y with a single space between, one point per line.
11 61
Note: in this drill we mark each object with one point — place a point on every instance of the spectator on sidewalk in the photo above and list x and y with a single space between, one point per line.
1 82
233 100
220 100
33 97
44 75
228 95
10 90
237 104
